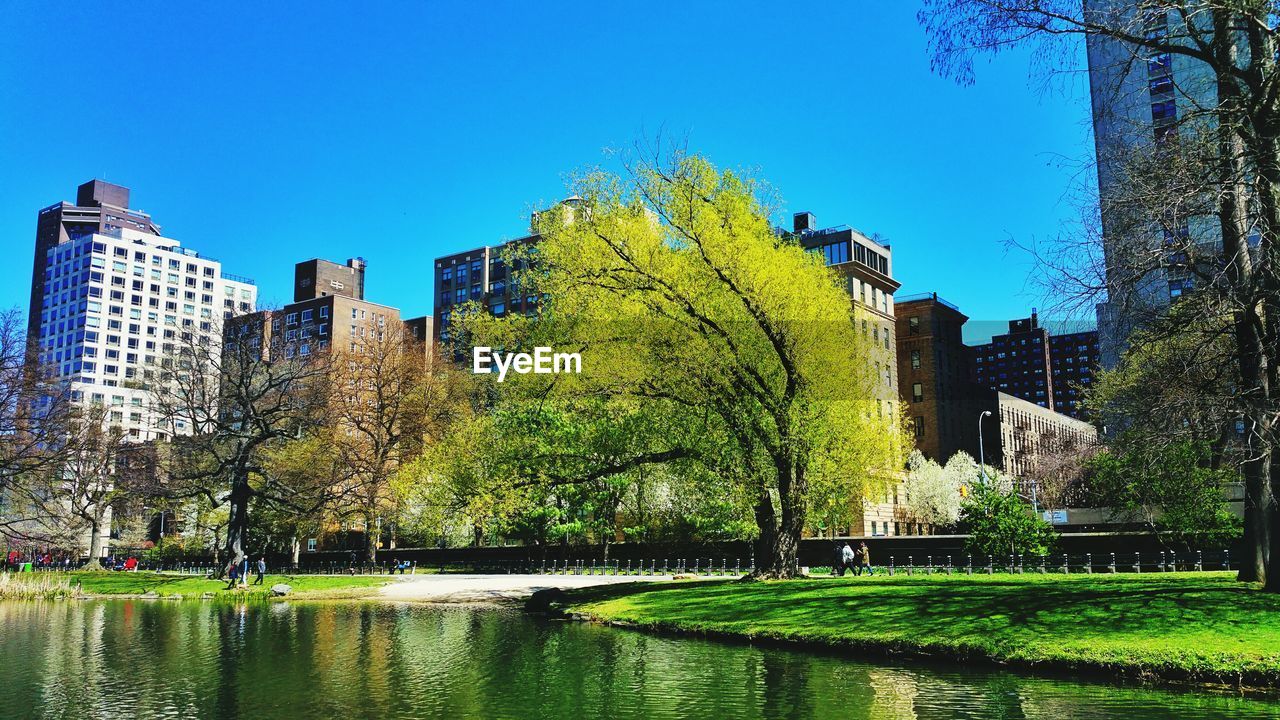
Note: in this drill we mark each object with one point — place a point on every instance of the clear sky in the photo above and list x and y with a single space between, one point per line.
264 134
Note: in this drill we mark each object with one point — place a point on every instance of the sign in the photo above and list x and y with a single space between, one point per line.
1055 517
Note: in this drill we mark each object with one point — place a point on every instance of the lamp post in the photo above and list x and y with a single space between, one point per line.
982 462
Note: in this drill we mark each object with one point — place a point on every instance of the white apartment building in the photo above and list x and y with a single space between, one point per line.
117 300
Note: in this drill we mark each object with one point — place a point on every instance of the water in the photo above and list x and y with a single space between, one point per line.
140 659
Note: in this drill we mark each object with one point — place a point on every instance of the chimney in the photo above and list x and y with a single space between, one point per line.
803 222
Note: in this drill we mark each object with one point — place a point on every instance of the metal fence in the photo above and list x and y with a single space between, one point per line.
1060 563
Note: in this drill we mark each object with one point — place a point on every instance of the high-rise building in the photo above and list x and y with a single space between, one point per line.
1030 363
1140 100
933 376
866 268
1017 362
1074 358
329 310
111 297
483 275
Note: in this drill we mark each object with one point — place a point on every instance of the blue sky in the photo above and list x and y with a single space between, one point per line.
267 134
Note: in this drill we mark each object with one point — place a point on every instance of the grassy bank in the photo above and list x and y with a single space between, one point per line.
1181 627
139 583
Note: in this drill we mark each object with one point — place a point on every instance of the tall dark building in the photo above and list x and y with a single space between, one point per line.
933 376
1075 358
100 207
1017 363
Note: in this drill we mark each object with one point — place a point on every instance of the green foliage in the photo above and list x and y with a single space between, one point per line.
1001 523
1170 488
711 346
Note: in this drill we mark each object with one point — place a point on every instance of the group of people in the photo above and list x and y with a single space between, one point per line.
239 573
124 564
856 561
14 560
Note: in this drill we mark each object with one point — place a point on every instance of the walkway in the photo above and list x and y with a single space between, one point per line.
494 588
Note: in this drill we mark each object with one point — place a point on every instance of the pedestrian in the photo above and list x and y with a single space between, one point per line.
244 572
351 568
864 559
231 575
846 557
837 565
262 570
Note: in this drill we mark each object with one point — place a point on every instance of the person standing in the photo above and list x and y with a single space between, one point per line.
846 557
864 559
244 572
262 570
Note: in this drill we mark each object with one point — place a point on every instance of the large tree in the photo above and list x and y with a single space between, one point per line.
715 338
228 405
35 417
1220 163
387 402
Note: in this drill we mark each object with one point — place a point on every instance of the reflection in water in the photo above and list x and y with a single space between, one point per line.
129 658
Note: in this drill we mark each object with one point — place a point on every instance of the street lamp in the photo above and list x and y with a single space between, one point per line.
982 461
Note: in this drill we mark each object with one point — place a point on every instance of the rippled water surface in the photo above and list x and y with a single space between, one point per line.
140 659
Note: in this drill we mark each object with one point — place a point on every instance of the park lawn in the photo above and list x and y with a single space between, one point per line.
1186 627
306 586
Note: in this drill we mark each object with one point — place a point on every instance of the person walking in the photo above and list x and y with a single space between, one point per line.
244 572
846 557
262 570
864 559
837 564
231 575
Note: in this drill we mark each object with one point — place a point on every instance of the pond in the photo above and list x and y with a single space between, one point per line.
157 659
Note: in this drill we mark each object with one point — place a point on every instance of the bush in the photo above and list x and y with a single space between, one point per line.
1001 523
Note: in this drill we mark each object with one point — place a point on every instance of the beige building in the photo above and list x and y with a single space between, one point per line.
866 267
1019 433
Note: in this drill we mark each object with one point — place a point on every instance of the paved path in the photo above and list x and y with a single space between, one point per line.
494 588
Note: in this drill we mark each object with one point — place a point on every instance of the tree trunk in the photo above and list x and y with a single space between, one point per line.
95 545
296 551
237 522
371 533
777 548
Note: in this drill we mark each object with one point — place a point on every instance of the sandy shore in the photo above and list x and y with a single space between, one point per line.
494 588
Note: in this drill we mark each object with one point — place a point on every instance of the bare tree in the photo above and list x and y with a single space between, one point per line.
387 401
35 412
1220 164
227 402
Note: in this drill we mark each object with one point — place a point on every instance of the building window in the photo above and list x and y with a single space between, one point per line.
915 359
913 325
918 421
917 392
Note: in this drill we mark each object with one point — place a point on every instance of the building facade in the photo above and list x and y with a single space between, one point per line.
328 311
115 297
1019 434
1074 359
487 276
1030 363
1017 362
1140 101
865 267
934 376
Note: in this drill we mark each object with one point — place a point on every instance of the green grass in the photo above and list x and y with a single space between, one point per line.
1185 627
166 585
